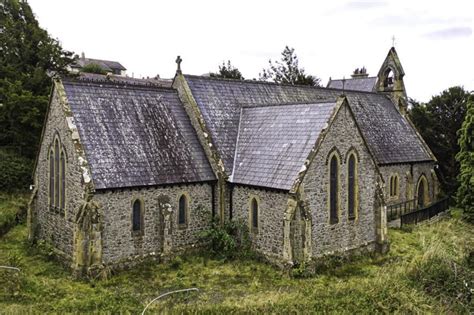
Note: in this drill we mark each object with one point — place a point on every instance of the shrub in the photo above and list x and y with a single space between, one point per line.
16 171
226 240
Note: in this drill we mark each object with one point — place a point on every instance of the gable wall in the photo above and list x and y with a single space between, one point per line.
328 238
52 225
119 242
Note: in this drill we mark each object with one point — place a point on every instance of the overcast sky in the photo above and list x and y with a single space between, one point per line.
434 39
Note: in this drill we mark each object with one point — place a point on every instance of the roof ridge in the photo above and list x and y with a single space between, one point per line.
112 82
277 84
356 78
325 101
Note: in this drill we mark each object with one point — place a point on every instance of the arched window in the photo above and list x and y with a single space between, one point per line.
56 173
51 177
333 190
394 186
254 214
137 216
182 209
352 197
63 180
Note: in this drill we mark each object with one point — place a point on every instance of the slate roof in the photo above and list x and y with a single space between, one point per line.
135 135
107 65
390 137
355 84
274 142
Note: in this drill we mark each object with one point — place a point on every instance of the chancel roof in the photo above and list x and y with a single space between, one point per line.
135 135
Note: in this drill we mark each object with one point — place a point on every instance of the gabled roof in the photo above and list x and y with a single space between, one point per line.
107 65
390 137
135 135
366 84
274 142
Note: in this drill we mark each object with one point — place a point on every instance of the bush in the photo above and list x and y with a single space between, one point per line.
16 172
12 211
227 240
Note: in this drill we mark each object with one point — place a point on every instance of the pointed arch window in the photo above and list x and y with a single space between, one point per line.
394 186
63 180
352 183
137 224
56 173
333 190
51 178
182 210
57 176
254 214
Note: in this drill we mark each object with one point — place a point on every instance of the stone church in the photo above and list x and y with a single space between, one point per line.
133 168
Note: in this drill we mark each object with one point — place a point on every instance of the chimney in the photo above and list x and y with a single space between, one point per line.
83 56
360 73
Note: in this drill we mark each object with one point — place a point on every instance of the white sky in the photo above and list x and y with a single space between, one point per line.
434 39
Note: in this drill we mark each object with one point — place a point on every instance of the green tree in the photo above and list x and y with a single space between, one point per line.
27 53
228 71
438 122
465 193
287 70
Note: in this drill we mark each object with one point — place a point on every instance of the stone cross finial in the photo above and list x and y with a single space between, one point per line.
343 84
393 41
178 62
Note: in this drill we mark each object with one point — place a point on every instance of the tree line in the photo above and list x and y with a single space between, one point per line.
28 54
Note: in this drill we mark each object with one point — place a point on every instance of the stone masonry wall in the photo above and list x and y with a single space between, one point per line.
408 177
327 238
268 240
55 226
119 243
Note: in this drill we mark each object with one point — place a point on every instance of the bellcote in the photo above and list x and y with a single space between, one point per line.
390 79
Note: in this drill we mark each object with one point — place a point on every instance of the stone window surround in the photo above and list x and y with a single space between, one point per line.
252 229
62 187
334 152
353 152
394 186
141 232
184 225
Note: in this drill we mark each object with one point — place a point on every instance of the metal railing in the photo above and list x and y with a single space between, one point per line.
425 213
395 211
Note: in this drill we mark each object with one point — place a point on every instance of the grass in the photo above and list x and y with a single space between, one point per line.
415 277
11 208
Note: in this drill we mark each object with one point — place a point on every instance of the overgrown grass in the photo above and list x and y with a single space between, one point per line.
417 276
12 210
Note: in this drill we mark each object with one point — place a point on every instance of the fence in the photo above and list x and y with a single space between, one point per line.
397 210
424 213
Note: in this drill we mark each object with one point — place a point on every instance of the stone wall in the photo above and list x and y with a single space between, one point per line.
341 138
57 227
119 243
408 177
268 239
